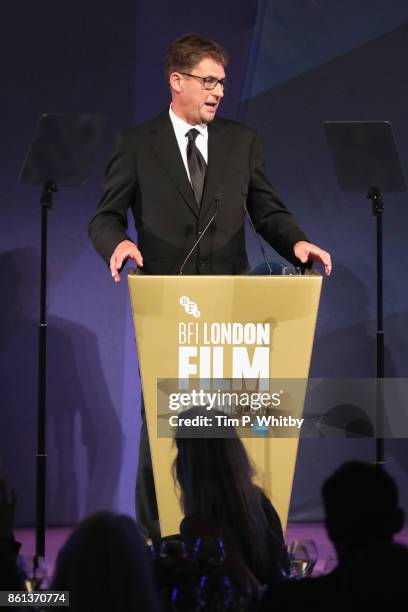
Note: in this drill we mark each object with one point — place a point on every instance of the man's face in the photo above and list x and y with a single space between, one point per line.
191 101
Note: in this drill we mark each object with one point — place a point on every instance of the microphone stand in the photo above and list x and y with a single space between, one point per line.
201 235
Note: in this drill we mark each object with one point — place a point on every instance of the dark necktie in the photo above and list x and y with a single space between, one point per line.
196 165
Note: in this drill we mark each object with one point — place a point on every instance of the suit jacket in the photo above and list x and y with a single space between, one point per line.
146 173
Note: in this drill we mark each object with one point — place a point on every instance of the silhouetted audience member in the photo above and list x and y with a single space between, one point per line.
362 515
219 499
10 578
361 508
377 578
104 566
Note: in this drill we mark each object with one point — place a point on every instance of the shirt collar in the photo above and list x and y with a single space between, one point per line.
183 127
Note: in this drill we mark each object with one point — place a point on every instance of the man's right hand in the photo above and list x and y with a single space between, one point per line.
125 250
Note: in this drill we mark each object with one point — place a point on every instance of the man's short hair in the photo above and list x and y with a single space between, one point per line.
188 50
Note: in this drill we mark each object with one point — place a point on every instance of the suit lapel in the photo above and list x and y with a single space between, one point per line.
218 151
166 148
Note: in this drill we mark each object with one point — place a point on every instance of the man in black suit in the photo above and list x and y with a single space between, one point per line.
186 175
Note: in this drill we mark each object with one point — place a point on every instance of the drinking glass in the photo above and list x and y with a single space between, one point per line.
187 598
303 556
209 550
173 548
216 592
34 578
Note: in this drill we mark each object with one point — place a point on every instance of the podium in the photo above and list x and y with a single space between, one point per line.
204 327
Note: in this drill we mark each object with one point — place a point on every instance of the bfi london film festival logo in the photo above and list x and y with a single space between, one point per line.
190 307
204 348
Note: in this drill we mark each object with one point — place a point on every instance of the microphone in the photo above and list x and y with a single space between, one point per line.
217 199
261 247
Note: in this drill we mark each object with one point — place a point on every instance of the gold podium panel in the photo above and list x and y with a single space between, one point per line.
204 327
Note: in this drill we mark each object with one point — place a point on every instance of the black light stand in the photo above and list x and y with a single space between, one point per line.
63 147
375 196
46 204
365 154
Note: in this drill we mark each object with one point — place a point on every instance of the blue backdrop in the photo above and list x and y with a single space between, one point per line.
317 61
294 64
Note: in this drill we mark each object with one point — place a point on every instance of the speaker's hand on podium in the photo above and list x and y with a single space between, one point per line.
306 251
125 250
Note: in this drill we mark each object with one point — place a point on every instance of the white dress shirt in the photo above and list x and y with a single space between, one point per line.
180 129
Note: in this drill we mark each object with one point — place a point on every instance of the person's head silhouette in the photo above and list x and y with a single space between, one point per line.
361 507
104 566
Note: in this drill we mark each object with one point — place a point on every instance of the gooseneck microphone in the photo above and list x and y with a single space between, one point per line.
217 199
261 247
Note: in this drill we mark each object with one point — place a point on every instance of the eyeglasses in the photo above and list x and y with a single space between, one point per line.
208 82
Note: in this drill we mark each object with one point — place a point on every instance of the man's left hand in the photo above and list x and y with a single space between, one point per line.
305 251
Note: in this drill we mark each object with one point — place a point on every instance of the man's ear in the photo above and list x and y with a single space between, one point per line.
175 81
